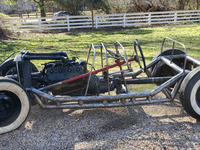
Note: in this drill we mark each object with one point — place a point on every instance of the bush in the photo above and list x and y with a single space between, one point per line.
4 33
150 6
4 16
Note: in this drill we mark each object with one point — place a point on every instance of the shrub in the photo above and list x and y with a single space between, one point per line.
4 33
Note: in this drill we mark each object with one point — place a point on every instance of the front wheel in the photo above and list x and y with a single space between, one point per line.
14 105
9 67
190 93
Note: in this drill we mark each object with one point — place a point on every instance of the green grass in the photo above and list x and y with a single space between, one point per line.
4 16
77 42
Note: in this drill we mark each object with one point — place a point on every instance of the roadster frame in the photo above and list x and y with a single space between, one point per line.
172 70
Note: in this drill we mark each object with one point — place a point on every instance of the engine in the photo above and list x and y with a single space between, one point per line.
56 71
61 69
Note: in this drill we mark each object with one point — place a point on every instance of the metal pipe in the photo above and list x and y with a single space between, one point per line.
176 87
44 57
177 43
139 71
167 83
106 67
167 93
172 65
52 54
156 80
172 52
90 73
90 98
89 53
96 46
17 63
99 105
189 58
126 59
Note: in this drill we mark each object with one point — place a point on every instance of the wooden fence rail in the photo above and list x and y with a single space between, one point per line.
111 20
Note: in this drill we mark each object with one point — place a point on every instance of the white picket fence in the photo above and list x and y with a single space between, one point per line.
111 20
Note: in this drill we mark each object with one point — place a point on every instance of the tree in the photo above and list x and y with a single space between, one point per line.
97 4
73 6
101 4
76 7
40 3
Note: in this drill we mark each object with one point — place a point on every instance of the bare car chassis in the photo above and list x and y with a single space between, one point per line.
65 83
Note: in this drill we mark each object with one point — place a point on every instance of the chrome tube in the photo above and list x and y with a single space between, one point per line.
107 67
86 90
193 60
173 48
171 64
126 59
168 83
138 72
90 98
99 105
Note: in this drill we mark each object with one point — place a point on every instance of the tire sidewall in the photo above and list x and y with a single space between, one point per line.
188 89
14 87
7 65
193 100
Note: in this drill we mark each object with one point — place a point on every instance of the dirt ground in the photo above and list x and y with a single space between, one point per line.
163 126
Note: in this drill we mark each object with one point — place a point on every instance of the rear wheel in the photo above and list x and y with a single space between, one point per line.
14 105
190 93
163 69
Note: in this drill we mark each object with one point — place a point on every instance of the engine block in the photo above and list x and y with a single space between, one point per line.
57 71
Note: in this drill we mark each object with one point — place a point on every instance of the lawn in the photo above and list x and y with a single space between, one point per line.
77 42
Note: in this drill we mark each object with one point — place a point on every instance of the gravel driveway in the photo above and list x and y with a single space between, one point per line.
163 126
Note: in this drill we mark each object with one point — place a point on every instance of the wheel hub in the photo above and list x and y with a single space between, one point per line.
6 105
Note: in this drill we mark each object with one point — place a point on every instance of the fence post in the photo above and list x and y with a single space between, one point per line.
68 26
124 20
96 22
175 17
11 24
149 20
199 15
39 22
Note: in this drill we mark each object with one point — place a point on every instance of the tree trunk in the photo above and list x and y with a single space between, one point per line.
42 8
41 5
181 4
197 4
